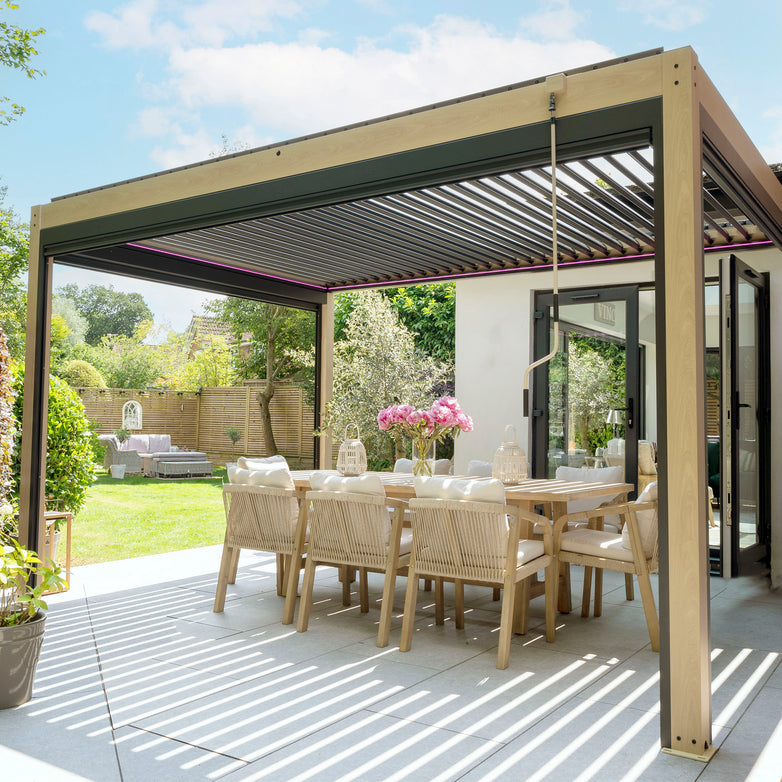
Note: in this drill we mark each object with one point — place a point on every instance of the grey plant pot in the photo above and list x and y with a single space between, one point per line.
20 647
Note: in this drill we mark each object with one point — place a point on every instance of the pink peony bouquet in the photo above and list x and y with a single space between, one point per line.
425 427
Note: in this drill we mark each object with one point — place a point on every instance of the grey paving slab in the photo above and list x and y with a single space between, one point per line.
588 740
257 718
476 699
145 757
739 622
753 749
371 748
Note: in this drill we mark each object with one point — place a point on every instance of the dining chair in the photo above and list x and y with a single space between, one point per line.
464 532
634 551
265 513
441 466
479 469
350 527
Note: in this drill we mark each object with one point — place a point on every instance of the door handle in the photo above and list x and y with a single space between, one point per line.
629 411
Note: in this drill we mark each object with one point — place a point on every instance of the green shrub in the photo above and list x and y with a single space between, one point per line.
81 374
70 459
7 429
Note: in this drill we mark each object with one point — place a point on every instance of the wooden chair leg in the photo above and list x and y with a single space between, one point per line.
586 596
552 587
506 623
363 590
281 575
598 591
305 604
564 600
439 602
652 622
344 577
234 566
411 597
427 585
222 578
495 594
458 590
629 592
521 606
386 608
291 588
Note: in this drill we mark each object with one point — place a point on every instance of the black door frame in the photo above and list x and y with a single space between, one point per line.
540 388
741 561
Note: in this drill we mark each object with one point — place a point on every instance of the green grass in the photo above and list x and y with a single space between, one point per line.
137 516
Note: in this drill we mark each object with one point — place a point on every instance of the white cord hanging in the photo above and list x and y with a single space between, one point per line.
556 84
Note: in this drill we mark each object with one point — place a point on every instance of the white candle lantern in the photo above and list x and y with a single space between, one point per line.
352 456
510 463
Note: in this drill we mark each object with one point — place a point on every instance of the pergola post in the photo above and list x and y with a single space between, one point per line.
685 662
325 379
32 484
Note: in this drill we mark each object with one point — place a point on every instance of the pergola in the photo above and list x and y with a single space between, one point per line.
463 188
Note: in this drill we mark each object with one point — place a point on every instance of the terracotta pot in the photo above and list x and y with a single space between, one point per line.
20 647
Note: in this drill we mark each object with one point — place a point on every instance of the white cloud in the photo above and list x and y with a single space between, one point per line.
559 22
674 15
168 24
299 88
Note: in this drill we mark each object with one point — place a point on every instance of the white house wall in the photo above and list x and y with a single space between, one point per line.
494 345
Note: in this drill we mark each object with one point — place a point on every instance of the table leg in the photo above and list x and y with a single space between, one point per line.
564 601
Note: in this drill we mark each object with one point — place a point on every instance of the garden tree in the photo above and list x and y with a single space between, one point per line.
428 311
81 374
70 456
14 253
17 48
277 336
77 325
376 364
595 385
107 312
212 365
59 343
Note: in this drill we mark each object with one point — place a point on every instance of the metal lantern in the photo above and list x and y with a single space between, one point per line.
352 456
510 463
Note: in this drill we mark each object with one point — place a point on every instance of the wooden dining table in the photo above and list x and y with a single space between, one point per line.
528 494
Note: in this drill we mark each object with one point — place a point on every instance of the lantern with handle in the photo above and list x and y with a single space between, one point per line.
352 456
510 463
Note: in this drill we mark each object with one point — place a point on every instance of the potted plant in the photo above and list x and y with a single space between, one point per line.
234 435
122 435
22 618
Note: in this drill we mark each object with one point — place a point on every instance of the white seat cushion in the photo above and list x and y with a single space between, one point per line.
359 484
592 475
529 550
473 490
479 469
277 475
259 463
647 522
406 541
595 543
403 465
236 474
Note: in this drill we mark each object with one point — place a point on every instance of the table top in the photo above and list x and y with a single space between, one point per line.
401 486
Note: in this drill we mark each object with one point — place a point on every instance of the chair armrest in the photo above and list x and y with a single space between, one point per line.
532 519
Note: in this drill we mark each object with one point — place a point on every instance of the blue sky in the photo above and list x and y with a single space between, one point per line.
140 86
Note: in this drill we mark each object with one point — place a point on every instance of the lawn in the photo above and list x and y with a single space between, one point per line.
138 516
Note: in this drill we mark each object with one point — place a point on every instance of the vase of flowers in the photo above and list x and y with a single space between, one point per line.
425 427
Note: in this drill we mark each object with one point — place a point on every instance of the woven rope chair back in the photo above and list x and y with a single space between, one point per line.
260 518
460 539
348 528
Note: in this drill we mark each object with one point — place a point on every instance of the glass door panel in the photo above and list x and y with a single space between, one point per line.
585 399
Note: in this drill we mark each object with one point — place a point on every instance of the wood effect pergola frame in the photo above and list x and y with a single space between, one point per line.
664 96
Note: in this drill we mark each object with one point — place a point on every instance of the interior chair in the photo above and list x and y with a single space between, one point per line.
350 527
647 467
462 533
115 455
265 513
479 469
633 551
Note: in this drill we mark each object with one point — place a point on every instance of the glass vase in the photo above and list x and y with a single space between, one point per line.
422 465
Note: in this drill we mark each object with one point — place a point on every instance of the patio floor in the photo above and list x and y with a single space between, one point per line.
140 680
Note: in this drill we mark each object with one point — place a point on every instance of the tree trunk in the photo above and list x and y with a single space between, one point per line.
264 401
